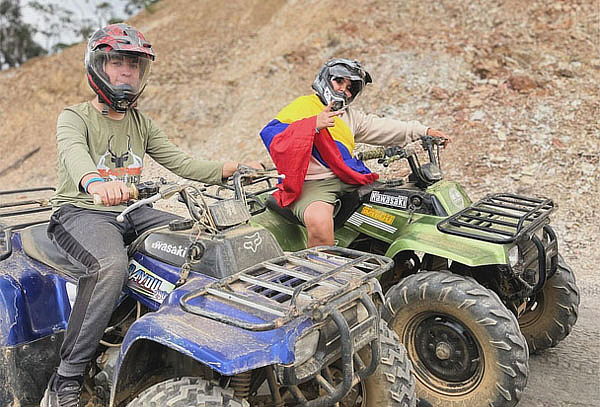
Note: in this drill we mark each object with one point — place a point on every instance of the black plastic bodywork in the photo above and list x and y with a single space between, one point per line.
405 199
22 211
26 369
225 253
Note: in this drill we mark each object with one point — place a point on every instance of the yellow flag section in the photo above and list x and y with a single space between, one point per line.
310 105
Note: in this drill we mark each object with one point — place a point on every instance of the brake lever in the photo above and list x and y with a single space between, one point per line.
152 199
164 193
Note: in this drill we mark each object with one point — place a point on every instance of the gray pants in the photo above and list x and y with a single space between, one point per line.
95 241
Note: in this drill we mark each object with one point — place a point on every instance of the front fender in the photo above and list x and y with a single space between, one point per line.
225 348
173 332
427 238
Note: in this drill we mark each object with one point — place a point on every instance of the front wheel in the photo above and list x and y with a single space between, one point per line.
465 346
186 392
393 383
553 311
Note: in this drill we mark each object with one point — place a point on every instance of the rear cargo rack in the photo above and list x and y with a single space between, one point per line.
287 282
499 218
22 210
24 207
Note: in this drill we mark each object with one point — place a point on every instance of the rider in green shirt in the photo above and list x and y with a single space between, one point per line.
101 149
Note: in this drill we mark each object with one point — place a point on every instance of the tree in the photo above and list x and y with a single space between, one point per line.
16 37
134 6
59 25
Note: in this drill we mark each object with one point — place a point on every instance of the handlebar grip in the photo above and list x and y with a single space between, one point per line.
371 154
133 194
440 141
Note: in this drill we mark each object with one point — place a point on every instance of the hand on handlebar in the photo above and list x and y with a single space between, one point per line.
439 134
230 167
109 193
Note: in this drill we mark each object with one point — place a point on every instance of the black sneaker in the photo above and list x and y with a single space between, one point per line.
62 391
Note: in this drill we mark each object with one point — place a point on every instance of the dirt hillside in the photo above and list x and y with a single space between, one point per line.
515 83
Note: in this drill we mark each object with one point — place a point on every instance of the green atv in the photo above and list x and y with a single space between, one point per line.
475 287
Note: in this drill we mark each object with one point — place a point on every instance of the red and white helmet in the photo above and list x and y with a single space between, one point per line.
119 45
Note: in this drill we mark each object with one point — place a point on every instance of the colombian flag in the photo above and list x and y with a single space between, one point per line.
291 139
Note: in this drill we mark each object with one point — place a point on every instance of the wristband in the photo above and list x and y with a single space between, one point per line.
89 181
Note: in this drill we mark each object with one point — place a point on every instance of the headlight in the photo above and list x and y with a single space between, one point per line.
361 312
513 256
305 347
540 234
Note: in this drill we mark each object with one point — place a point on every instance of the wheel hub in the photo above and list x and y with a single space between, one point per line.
447 349
443 351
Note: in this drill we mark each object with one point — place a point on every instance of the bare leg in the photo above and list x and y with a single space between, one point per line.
318 218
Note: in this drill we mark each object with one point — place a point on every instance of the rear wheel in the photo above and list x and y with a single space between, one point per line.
186 392
553 312
465 346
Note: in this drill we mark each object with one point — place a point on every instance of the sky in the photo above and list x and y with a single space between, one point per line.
82 9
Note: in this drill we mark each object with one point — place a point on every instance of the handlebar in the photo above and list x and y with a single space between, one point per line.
165 193
371 154
397 152
149 192
386 156
425 174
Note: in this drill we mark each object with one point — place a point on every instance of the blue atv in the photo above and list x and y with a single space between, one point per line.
213 312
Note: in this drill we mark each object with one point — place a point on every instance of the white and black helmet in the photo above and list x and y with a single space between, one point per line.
340 68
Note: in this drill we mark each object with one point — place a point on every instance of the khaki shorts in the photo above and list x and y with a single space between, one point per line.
324 190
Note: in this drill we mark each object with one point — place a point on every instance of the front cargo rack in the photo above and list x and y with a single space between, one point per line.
499 218
295 284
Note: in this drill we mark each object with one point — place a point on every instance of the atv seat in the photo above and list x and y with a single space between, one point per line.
38 246
344 207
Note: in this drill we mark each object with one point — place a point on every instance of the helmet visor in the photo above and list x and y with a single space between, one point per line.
355 75
355 86
123 72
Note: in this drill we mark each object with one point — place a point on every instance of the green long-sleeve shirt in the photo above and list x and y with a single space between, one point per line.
89 142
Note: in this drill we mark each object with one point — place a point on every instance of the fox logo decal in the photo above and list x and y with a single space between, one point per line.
253 243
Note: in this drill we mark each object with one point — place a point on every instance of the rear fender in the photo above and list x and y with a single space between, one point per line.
34 309
426 238
33 302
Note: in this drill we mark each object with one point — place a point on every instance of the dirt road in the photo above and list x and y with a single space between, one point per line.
569 374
